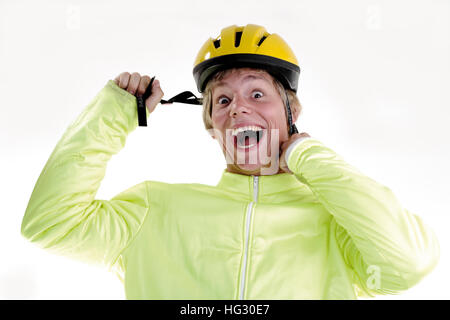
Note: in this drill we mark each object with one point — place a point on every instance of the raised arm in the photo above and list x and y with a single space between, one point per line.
389 248
62 214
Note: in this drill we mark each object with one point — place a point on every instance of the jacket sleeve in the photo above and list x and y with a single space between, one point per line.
62 214
388 248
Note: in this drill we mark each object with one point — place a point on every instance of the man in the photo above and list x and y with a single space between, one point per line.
289 218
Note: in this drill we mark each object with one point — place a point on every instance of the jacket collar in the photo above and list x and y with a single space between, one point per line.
282 185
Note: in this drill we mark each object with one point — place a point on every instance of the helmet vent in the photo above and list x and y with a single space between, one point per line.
261 41
237 40
217 43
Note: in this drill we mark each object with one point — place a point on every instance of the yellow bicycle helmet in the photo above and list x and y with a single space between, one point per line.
247 46
238 47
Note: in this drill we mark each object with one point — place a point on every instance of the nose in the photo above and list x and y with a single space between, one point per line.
238 105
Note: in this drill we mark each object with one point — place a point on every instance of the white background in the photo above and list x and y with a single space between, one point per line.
374 87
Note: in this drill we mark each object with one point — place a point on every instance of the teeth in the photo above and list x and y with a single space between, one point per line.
246 147
251 131
234 132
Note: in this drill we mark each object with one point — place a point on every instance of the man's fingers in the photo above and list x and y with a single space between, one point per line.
155 97
116 80
143 84
134 83
124 78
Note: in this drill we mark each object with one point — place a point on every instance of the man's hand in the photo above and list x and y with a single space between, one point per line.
285 145
135 84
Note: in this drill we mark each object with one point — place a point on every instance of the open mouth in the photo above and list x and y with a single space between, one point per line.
247 137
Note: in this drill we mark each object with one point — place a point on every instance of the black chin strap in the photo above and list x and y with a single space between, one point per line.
292 127
189 98
183 97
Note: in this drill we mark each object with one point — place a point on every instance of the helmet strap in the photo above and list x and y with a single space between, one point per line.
291 126
186 97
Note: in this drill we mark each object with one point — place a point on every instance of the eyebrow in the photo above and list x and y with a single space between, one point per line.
245 79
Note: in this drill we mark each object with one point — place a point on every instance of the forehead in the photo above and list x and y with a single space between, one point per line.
242 76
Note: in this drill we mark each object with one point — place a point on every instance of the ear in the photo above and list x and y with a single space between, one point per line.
211 133
295 111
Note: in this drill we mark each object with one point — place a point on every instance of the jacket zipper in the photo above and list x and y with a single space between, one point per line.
247 232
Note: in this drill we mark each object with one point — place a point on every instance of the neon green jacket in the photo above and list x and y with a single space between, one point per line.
325 232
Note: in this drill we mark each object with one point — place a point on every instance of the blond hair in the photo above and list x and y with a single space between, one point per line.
207 95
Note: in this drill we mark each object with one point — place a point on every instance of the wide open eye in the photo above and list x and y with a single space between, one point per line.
257 94
223 100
